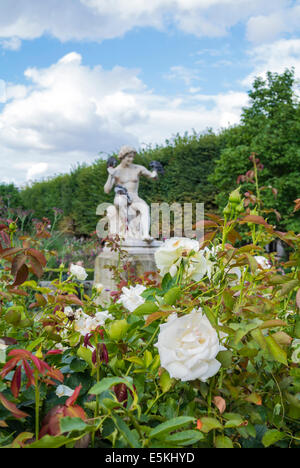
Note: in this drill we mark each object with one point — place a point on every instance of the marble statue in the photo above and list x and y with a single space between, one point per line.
129 216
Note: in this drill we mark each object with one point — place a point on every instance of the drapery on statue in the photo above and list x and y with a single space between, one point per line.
129 216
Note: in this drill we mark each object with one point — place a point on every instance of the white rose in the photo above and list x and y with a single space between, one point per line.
188 347
131 297
85 324
79 272
171 251
64 391
198 266
263 262
68 311
102 316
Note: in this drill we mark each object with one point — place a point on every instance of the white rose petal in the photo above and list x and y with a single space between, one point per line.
85 324
172 250
263 262
188 347
131 297
79 272
68 311
64 391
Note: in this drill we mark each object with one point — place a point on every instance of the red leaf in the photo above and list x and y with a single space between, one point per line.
36 266
20 354
53 352
70 401
29 374
38 255
40 365
17 263
12 408
21 276
19 292
255 219
16 382
55 374
75 412
10 251
9 366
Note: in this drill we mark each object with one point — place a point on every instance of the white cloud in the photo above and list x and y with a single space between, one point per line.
13 43
69 112
105 19
187 75
267 27
274 57
2 91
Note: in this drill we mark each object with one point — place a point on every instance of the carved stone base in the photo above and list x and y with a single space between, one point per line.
140 256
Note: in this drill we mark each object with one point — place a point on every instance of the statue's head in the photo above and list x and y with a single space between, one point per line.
127 152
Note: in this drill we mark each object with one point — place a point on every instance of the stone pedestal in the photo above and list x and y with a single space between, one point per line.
140 255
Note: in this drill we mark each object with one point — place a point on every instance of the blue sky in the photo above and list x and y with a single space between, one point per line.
82 76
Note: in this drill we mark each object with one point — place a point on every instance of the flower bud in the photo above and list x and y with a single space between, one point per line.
39 353
235 196
240 208
227 210
13 227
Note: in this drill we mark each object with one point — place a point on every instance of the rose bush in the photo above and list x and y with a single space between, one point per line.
206 355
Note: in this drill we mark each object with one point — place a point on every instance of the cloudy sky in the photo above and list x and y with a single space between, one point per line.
79 78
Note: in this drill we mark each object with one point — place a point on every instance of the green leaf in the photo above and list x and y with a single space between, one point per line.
272 436
171 425
233 419
126 432
148 358
74 339
146 309
172 296
165 382
35 343
68 424
225 358
276 351
209 423
50 442
85 354
184 438
223 442
108 382
288 287
78 365
259 338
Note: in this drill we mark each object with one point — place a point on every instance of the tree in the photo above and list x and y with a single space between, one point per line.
270 127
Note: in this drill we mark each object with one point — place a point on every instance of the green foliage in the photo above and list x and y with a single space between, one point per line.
270 127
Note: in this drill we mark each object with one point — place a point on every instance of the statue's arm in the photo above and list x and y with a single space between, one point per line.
149 174
110 180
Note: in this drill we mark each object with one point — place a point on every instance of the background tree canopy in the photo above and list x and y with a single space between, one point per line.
198 168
